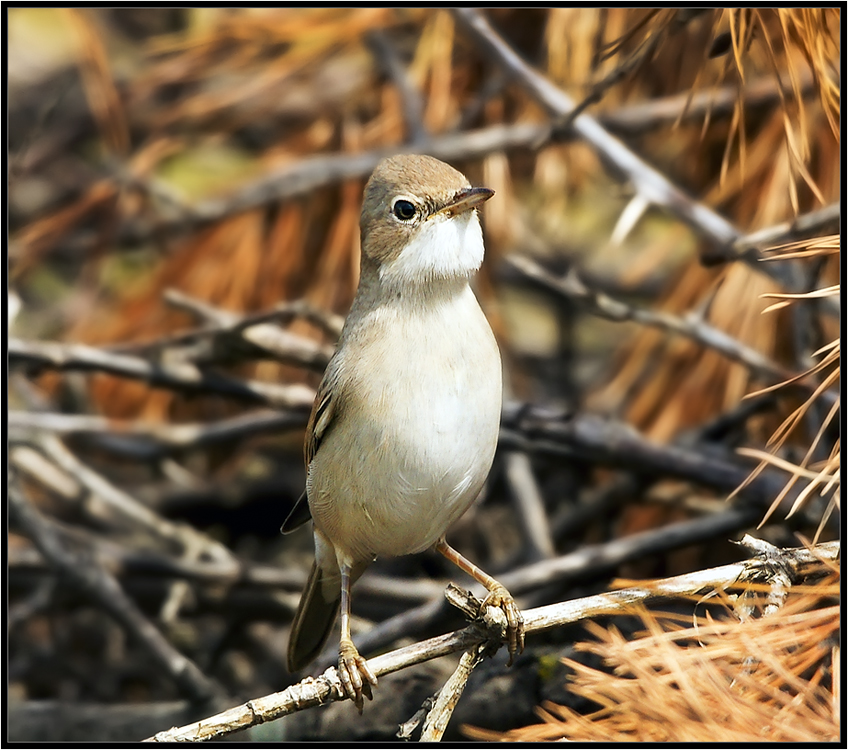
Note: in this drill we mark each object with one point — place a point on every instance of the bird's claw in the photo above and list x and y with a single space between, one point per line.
501 598
352 669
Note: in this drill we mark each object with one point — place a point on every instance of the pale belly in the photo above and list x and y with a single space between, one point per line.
415 445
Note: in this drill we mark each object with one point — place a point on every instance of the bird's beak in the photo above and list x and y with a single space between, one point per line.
467 199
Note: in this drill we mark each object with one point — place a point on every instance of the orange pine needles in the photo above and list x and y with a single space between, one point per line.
765 679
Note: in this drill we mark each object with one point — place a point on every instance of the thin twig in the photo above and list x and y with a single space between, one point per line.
151 439
317 691
530 504
572 518
607 441
691 326
406 729
316 172
229 337
640 117
437 720
411 100
217 316
329 322
811 224
39 600
124 560
179 376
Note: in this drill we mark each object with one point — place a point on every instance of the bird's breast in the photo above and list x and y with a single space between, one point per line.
419 430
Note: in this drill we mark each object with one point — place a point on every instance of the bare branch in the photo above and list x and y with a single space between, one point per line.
230 337
179 376
317 691
806 225
611 442
316 172
124 560
183 535
329 322
647 180
530 503
438 718
691 326
151 440
639 117
392 66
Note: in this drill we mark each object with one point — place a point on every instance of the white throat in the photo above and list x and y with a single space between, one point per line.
444 249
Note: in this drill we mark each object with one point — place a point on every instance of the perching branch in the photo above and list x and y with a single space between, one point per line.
314 691
585 564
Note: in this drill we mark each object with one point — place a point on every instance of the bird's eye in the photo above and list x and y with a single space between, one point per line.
404 210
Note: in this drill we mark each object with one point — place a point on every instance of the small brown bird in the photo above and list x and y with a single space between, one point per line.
405 422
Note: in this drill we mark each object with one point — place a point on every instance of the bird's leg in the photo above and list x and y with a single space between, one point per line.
498 597
352 667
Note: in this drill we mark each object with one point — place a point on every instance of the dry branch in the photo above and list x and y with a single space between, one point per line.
233 336
588 437
525 428
586 564
530 504
179 376
145 440
692 326
185 537
449 695
811 224
317 691
413 107
126 561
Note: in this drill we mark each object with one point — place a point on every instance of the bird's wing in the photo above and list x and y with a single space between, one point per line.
323 410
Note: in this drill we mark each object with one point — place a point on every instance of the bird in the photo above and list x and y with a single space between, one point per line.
405 421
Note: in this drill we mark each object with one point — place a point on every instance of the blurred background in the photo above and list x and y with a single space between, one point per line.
184 189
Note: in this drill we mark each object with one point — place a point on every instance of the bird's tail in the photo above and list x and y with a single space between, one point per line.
314 618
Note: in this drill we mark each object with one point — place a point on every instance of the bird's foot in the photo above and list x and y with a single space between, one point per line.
355 674
501 598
